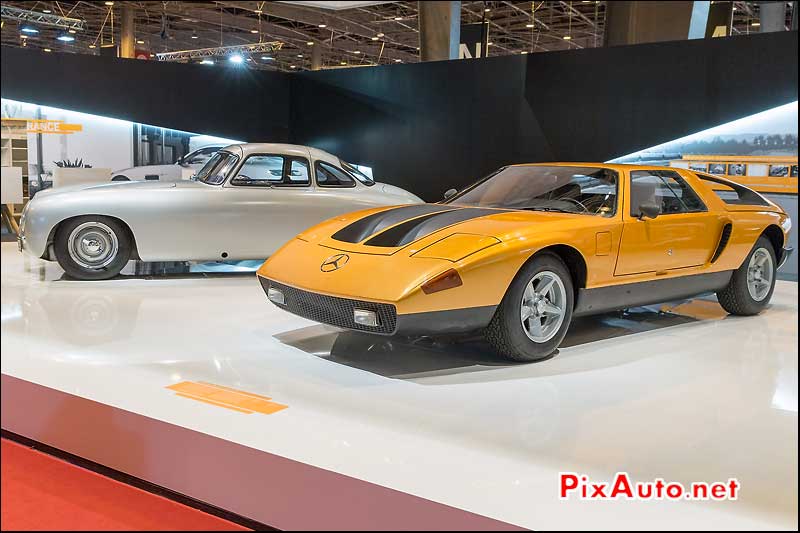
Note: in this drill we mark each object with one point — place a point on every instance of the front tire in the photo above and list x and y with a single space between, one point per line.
120 177
535 313
92 247
752 284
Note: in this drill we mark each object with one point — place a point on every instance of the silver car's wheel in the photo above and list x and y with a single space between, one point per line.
760 271
543 306
93 245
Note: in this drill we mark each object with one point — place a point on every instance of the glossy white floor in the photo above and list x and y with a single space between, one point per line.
686 395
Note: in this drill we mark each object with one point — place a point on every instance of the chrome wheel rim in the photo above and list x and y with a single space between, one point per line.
543 306
760 272
93 245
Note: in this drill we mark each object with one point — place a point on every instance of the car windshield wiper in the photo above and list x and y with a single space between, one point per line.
550 209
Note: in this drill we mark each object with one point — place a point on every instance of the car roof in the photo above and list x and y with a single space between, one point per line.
282 148
612 166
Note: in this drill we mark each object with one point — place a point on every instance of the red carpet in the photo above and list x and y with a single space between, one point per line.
40 492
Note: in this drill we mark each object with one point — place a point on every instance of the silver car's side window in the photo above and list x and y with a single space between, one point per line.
330 176
272 170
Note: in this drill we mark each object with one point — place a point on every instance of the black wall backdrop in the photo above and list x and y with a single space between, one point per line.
431 126
235 103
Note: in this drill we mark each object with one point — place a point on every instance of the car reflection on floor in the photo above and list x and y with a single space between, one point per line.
415 358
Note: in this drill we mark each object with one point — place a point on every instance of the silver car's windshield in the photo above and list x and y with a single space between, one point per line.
357 174
580 190
217 168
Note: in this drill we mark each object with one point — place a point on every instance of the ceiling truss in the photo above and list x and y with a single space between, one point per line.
361 36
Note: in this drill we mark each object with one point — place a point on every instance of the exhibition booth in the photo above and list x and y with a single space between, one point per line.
186 372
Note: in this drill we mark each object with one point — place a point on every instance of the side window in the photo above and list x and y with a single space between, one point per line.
260 170
794 171
716 168
779 171
698 167
664 188
736 169
330 176
298 172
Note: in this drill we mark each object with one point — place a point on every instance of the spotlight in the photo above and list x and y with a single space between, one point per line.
755 24
356 51
139 41
529 25
109 3
486 10
27 28
374 38
236 59
65 37
323 25
524 52
267 58
292 66
567 37
398 18
310 43
92 46
379 35
72 31
343 63
490 43
299 55
253 31
194 34
47 50
46 11
398 60
206 62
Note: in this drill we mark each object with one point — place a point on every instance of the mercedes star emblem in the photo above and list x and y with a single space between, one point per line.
335 262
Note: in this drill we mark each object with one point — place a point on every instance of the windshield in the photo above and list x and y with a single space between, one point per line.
216 169
357 174
580 190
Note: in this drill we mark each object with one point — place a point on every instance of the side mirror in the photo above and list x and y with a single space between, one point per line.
450 193
649 211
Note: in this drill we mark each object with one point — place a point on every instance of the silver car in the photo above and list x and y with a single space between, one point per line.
184 168
245 202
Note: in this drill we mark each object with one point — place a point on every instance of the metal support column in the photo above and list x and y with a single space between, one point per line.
128 41
439 30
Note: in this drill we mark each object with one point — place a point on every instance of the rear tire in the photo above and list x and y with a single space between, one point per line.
752 284
92 247
542 291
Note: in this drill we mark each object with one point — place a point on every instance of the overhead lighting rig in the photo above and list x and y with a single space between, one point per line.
41 19
219 51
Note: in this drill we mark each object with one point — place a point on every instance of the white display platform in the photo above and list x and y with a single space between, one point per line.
389 435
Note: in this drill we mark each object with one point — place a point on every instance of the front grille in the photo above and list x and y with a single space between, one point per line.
332 310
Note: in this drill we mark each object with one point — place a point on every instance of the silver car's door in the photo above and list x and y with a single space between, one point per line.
267 202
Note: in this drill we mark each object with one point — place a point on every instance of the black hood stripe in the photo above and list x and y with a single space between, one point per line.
417 228
377 222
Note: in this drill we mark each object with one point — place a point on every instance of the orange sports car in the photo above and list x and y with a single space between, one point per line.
522 251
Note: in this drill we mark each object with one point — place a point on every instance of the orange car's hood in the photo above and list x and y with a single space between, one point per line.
413 227
391 252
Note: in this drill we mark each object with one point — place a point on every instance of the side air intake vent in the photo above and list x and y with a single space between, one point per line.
723 241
